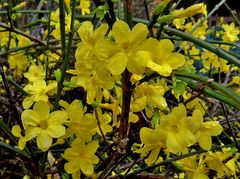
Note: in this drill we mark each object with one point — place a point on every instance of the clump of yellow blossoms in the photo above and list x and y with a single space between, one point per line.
40 123
177 131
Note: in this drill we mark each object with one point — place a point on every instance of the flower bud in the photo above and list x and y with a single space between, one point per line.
19 6
190 11
160 7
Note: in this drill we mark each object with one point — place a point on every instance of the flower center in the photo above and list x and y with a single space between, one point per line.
43 124
126 47
175 127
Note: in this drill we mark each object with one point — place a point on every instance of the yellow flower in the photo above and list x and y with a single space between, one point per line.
104 120
212 60
85 6
193 168
127 44
88 49
50 58
145 94
37 92
42 124
80 124
159 56
179 23
204 130
153 141
35 73
231 32
219 161
200 32
81 156
177 131
198 104
92 82
191 11
19 63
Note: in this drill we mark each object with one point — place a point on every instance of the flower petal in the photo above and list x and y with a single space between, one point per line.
44 141
28 102
86 167
139 33
42 109
30 117
57 118
72 166
205 141
120 31
118 63
55 131
176 60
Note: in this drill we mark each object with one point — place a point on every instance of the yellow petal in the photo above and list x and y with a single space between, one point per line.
118 63
44 141
180 111
138 33
163 69
195 121
21 143
176 60
159 101
120 31
30 117
212 128
86 167
42 109
85 31
205 142
27 102
57 117
100 32
16 131
139 104
55 131
133 117
153 156
173 144
165 49
72 166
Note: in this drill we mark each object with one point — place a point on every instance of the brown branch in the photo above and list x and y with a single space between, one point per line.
126 100
13 29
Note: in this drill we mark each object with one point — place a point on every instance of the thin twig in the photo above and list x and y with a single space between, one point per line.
229 125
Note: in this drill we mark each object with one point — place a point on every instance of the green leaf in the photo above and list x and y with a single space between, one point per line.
179 86
57 74
155 119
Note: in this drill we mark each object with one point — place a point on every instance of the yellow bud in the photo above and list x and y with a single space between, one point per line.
190 11
19 6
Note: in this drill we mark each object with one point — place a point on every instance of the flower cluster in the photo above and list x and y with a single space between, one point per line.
121 96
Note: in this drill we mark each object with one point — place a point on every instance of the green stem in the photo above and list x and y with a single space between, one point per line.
11 100
17 86
7 131
176 159
15 150
69 47
229 93
38 8
195 86
26 12
127 6
233 13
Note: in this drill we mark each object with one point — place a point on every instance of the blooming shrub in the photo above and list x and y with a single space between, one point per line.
97 96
